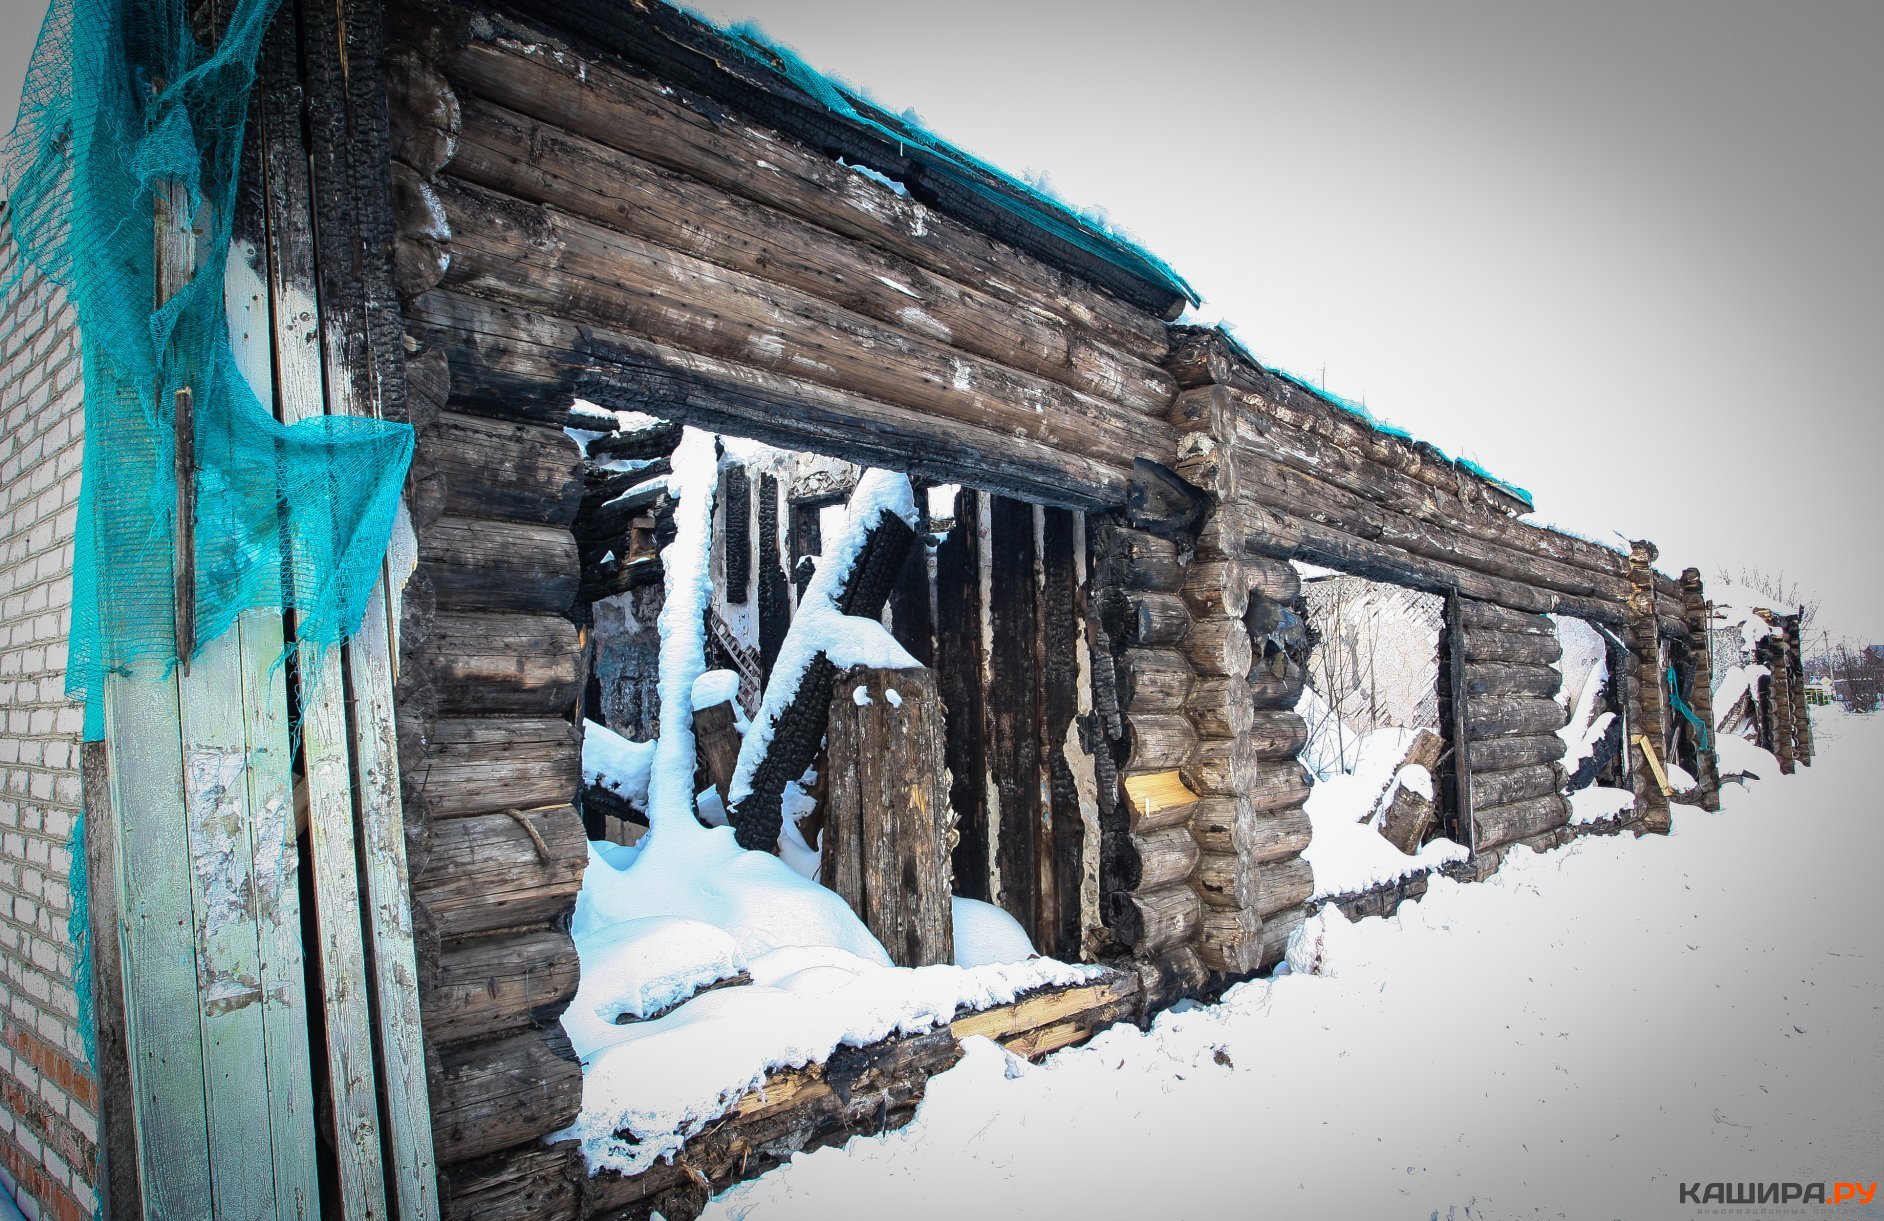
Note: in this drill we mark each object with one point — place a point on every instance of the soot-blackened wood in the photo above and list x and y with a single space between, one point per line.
641 444
736 511
1160 503
500 566
1454 712
542 163
912 621
775 606
799 729
641 116
1012 707
887 812
958 662
506 470
1062 617
481 662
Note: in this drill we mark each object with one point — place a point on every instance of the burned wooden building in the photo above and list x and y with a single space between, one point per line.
511 226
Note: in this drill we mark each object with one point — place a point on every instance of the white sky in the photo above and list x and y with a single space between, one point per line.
1624 254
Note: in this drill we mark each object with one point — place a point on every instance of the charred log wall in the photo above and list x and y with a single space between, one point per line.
492 671
597 232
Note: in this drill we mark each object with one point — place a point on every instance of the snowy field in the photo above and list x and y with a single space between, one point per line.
1573 1038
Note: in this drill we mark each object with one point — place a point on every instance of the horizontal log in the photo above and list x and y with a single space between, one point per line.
511 362
1514 784
591 275
1160 858
477 564
1277 533
483 662
1221 707
1151 563
494 985
1153 620
1277 733
1284 884
424 117
1278 836
1300 484
639 116
1153 681
1217 588
1157 743
1501 753
421 233
1511 678
1229 940
1279 402
539 163
1225 879
1278 927
1276 681
505 470
1492 617
1495 826
1219 647
488 872
528 1183
1484 645
1154 919
1499 716
493 1095
866 1090
473 765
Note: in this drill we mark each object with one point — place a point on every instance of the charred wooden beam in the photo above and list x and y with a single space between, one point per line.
800 726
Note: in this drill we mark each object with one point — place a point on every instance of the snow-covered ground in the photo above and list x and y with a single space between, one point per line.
1573 1038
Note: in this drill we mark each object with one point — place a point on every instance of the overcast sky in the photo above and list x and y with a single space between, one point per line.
1625 254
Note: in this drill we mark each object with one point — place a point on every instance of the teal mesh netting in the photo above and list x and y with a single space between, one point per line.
123 105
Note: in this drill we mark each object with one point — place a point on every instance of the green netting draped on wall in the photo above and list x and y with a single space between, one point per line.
123 105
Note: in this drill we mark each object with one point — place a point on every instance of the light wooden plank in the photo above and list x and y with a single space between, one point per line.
143 722
159 946
351 1076
389 902
228 950
275 861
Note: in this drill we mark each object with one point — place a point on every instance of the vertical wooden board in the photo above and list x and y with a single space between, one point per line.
275 859
958 676
298 331
277 870
1063 842
775 611
388 901
1462 828
912 619
228 948
159 947
886 760
343 970
735 504
1013 734
119 1194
